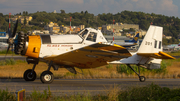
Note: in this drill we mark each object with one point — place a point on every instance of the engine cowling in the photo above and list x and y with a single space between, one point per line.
21 43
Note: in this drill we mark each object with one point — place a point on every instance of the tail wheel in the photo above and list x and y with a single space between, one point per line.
29 75
142 78
47 77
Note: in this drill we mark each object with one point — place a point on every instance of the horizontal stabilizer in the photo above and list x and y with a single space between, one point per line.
160 55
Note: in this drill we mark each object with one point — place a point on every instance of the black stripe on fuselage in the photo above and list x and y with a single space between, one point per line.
46 39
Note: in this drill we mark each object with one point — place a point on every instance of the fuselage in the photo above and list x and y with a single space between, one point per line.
40 46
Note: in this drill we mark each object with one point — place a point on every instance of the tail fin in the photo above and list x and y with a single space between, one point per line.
135 39
150 52
152 42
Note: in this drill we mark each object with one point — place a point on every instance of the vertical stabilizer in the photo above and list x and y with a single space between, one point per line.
135 39
152 42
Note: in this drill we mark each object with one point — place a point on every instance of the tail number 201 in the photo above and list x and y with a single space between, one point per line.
148 43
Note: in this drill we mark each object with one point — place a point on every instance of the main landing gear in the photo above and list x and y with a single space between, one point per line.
141 78
30 74
45 77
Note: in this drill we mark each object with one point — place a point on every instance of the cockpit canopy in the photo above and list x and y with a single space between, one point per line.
92 35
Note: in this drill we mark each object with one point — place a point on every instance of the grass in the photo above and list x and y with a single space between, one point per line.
174 53
37 96
3 52
7 96
150 92
7 62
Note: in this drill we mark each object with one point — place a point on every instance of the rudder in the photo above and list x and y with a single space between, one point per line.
152 42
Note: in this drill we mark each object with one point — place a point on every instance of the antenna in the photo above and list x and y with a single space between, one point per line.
70 25
113 30
9 30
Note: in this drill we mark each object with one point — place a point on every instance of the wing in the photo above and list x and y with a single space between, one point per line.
91 56
160 55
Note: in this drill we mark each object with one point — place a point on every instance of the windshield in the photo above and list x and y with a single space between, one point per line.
92 36
83 33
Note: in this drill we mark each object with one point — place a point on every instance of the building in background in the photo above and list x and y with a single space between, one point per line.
36 32
22 18
53 28
118 28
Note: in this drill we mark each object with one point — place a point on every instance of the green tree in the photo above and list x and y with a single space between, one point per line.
25 21
144 24
1 14
24 13
62 11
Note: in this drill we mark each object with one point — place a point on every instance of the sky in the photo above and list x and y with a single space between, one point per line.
164 7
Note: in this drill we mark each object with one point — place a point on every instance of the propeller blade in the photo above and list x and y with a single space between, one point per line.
15 29
9 32
12 49
7 50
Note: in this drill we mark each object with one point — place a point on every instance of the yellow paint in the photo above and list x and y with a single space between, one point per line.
167 55
119 46
156 54
19 96
34 46
160 55
135 38
112 48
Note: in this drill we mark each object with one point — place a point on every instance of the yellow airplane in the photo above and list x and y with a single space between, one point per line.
87 49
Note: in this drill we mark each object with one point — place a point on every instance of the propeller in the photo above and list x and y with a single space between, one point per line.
11 36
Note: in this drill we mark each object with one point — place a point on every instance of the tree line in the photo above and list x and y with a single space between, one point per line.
170 24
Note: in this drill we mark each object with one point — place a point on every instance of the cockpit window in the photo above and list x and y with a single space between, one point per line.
83 33
92 36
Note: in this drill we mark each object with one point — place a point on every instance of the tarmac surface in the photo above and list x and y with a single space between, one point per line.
82 86
13 57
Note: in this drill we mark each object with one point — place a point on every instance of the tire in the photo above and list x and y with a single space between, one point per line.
142 78
47 77
28 76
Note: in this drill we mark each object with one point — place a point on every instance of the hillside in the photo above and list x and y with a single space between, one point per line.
171 25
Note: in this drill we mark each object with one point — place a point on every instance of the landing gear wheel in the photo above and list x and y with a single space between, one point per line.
142 78
47 77
29 75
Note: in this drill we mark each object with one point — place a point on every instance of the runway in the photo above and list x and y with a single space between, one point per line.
13 57
81 86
